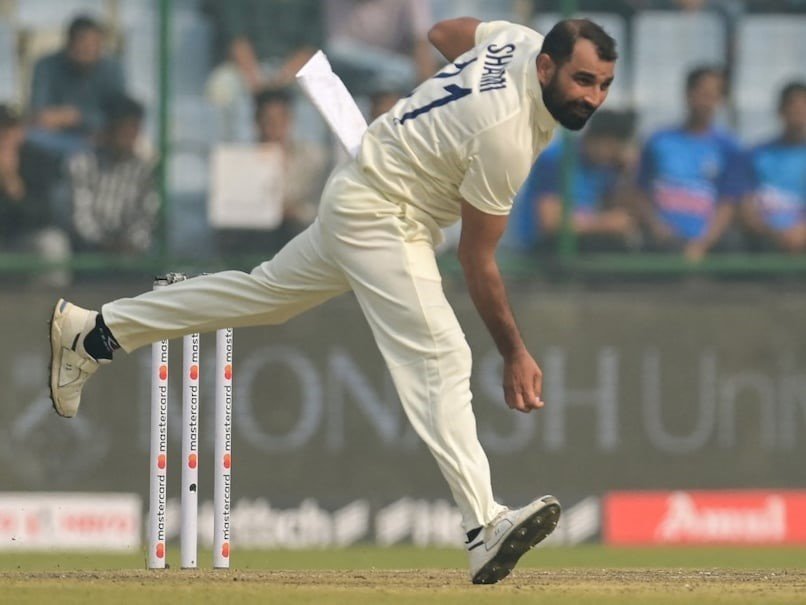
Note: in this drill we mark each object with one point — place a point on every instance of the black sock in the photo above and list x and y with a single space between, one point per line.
99 342
471 535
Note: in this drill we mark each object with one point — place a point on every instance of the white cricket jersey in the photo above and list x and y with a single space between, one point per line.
471 132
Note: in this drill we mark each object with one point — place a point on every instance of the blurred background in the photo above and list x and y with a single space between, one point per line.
656 263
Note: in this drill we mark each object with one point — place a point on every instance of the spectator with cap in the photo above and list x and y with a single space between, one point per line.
774 203
71 86
28 176
686 196
373 40
112 187
600 217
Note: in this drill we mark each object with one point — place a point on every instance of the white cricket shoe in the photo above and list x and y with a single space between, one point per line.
70 364
499 545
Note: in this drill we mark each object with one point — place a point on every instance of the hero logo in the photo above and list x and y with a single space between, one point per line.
684 521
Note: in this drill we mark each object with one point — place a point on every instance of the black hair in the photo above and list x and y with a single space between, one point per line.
695 76
609 123
9 117
789 91
81 24
273 95
560 41
122 107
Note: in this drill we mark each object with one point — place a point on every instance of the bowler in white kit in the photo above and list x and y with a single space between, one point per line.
458 147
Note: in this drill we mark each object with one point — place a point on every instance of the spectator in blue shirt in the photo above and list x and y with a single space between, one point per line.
687 197
71 87
774 204
599 219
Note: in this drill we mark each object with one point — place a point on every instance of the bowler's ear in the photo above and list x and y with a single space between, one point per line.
545 68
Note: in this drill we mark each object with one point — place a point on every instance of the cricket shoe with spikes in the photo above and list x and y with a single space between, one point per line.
496 549
70 364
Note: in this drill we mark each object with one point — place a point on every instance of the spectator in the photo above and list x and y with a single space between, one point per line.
774 207
70 88
600 219
114 198
686 198
262 44
304 173
27 178
379 39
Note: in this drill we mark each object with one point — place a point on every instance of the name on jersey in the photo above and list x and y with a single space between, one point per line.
493 75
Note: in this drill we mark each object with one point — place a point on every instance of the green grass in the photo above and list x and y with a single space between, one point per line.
363 576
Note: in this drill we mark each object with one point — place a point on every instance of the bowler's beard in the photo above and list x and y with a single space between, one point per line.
573 115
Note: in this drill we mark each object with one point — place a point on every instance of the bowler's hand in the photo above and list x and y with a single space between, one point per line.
523 382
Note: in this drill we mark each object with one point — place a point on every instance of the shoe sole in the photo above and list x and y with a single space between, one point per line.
531 532
55 354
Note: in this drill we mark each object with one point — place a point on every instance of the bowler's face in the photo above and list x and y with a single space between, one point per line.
577 88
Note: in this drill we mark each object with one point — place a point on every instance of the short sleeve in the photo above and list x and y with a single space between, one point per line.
735 179
40 86
646 167
496 170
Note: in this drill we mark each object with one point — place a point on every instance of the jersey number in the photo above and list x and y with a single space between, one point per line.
454 92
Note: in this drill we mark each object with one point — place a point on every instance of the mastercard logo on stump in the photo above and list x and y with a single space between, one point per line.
163 372
194 372
160 550
225 550
192 461
227 461
161 461
228 371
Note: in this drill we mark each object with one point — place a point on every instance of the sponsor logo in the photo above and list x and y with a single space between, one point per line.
734 517
70 521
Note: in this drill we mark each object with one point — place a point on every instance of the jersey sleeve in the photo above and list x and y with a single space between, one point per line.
646 167
488 29
497 168
735 179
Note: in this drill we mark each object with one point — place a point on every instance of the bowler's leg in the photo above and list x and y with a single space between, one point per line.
389 261
297 278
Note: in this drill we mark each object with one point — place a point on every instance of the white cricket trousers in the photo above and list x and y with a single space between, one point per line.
382 251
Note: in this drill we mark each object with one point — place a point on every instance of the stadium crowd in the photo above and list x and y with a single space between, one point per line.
78 171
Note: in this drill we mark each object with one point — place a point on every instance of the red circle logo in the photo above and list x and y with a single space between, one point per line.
161 461
192 461
163 372
228 371
160 550
227 461
225 550
194 372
